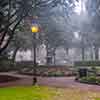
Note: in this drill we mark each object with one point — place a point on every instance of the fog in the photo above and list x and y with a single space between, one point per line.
71 25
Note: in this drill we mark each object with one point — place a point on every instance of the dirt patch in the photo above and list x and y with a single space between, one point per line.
7 78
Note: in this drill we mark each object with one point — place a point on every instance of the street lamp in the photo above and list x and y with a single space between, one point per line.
34 30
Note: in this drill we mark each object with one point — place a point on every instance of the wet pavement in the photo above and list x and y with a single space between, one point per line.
60 82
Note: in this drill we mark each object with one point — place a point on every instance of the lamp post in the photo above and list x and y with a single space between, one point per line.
34 30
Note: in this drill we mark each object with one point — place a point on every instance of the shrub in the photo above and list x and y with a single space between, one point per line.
90 80
56 73
6 65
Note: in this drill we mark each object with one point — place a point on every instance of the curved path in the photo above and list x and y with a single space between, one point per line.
61 82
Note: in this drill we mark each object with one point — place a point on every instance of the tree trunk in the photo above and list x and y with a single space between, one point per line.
67 51
83 47
83 53
49 55
96 53
54 59
54 56
14 54
91 54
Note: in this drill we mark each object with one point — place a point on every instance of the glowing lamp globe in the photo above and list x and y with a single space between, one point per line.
35 29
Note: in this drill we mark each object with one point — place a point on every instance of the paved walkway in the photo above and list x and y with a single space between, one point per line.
61 82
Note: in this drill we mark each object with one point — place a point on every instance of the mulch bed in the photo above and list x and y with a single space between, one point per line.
6 78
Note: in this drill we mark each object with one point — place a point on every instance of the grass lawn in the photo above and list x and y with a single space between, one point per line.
27 93
46 93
